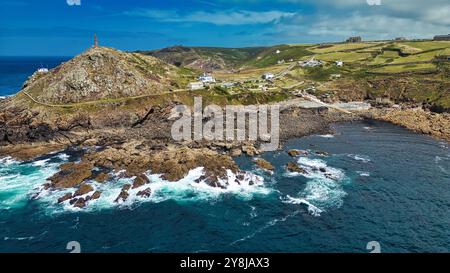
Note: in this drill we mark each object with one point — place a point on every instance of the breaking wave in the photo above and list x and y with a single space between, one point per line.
21 182
324 188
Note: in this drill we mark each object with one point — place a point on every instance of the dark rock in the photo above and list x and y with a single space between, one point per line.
64 198
292 167
145 193
264 164
83 189
322 153
71 175
140 180
102 177
122 196
94 196
80 203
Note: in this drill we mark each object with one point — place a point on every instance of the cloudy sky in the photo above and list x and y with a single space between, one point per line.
66 27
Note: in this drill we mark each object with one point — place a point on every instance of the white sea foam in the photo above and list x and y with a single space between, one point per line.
6 161
363 174
324 188
362 158
327 136
188 189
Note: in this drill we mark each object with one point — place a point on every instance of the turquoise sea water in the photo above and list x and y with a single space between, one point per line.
380 183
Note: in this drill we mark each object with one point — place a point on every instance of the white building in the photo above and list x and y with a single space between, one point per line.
268 76
278 51
195 85
339 63
42 70
207 78
311 63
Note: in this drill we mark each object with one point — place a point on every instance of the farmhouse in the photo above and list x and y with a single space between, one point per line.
356 39
268 76
206 78
339 63
195 85
442 37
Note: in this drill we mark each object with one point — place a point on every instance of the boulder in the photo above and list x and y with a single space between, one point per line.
96 195
145 193
264 164
71 175
80 203
64 198
293 167
250 150
122 197
102 177
83 189
295 153
236 152
322 153
140 180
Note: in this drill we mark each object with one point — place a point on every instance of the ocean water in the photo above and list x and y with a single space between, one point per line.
15 70
379 183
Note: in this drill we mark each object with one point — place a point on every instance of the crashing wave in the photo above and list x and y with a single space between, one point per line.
362 158
324 188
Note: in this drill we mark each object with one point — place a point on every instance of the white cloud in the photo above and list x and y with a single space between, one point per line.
229 17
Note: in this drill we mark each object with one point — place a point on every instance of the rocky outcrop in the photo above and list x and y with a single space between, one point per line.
140 181
83 189
293 167
145 193
264 164
416 119
295 153
71 175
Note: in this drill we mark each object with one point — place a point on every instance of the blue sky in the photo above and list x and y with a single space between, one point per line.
63 28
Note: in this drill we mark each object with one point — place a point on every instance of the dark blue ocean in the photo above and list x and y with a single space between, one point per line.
379 183
389 185
15 70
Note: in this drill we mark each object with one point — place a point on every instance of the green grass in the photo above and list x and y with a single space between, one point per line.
270 57
405 68
344 56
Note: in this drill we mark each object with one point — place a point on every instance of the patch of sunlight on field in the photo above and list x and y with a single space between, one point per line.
386 57
344 56
427 45
422 57
339 47
404 68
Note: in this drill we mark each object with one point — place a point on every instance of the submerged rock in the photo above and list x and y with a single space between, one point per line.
322 153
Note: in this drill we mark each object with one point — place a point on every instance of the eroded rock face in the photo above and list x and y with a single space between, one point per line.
71 175
417 119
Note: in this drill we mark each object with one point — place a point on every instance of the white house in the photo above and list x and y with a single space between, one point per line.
42 70
339 63
278 51
268 76
195 85
207 78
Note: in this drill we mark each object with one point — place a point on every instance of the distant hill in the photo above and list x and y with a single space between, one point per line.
206 58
